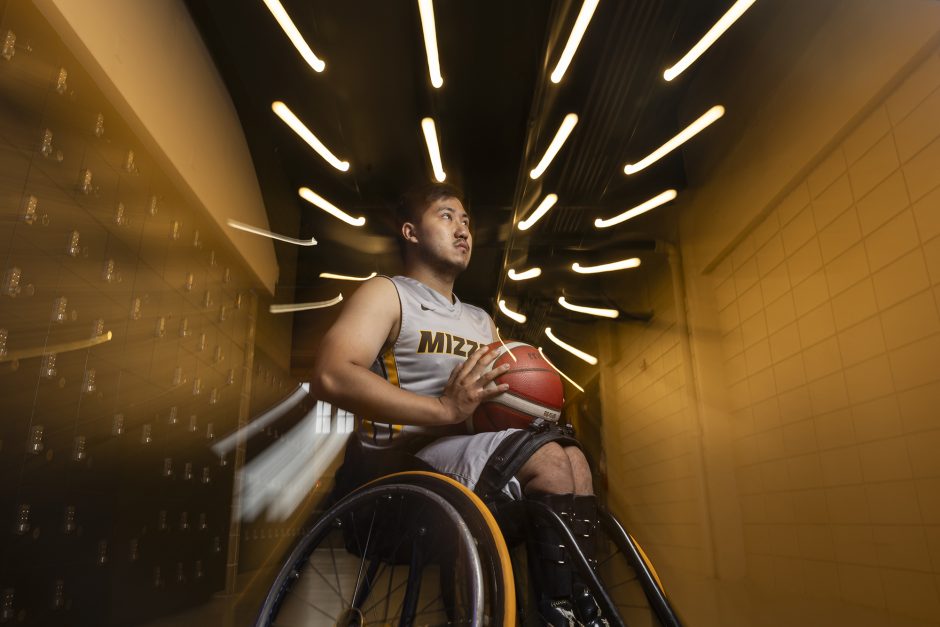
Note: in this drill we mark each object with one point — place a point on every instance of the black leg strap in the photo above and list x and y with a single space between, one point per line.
515 450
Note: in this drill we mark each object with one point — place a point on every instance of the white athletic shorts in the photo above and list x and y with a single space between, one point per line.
462 457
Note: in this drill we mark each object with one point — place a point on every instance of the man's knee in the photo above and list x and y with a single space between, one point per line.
548 470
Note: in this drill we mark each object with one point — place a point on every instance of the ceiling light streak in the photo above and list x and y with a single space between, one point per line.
28 353
716 31
518 317
560 136
624 264
287 116
547 203
577 32
277 309
592 311
685 135
652 203
514 358
294 35
241 226
567 378
344 277
307 194
580 354
426 9
434 150
525 275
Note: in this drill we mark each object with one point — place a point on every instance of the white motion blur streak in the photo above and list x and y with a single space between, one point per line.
547 203
287 116
276 309
346 277
229 442
525 275
287 24
580 354
716 31
574 39
509 313
567 125
319 201
567 378
426 10
280 477
241 226
623 264
652 203
434 149
685 135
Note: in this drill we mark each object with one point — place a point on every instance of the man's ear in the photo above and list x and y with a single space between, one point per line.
409 232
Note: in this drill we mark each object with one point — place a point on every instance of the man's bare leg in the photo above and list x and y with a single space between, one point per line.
548 471
580 471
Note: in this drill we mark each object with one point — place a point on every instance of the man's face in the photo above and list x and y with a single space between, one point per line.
443 234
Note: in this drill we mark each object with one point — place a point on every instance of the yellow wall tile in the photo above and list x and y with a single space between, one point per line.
789 373
785 342
728 318
862 341
854 304
918 407
817 325
927 214
902 547
882 203
745 276
866 134
795 404
753 329
869 379
758 356
923 450
766 229
725 293
911 593
761 385
920 173
928 496
799 438
874 166
835 429
770 255
854 544
861 585
911 320
822 359
914 89
798 231
811 293
840 235
841 467
793 203
877 419
848 505
810 506
847 269
916 364
805 473
832 202
828 394
825 173
893 503
901 279
815 542
919 128
897 237
932 258
885 460
776 283
750 302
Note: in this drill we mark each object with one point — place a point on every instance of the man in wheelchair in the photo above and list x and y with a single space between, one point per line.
413 397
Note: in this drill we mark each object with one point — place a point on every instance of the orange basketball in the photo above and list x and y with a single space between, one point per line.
535 390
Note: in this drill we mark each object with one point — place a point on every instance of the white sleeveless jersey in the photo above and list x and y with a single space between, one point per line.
435 336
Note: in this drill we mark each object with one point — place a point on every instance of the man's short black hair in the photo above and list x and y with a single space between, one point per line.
413 203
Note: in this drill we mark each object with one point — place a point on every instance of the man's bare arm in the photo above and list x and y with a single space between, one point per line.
342 376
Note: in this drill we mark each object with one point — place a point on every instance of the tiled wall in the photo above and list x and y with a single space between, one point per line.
650 442
830 335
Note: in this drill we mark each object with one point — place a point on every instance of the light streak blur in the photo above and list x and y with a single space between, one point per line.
652 203
318 201
277 309
558 370
716 31
287 25
684 135
560 136
434 149
574 39
591 311
426 10
287 116
624 264
343 277
509 313
547 203
241 226
525 275
580 354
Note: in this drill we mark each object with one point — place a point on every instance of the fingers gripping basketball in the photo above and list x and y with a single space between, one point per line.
535 390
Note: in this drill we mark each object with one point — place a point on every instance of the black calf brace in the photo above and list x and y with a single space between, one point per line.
515 450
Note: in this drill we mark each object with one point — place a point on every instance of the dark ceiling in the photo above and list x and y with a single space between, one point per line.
496 113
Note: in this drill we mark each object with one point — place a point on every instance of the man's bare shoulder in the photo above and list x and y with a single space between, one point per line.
376 296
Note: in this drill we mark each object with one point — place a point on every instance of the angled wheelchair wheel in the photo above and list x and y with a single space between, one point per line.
407 549
629 578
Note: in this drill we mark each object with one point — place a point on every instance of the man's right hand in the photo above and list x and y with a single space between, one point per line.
469 385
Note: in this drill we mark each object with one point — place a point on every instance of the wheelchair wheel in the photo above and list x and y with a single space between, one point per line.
629 578
397 551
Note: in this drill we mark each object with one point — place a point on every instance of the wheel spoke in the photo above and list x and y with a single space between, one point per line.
362 560
335 569
326 581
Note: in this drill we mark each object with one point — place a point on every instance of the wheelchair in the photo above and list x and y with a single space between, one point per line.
418 548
